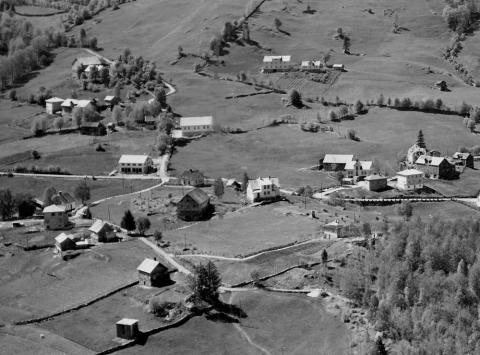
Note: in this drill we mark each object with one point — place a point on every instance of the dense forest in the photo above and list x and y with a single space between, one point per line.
421 286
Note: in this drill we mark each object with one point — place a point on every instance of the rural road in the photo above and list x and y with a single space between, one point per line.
166 256
99 177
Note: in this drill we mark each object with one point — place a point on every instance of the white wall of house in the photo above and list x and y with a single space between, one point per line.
410 182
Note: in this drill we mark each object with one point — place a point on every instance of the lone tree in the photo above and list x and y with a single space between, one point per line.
421 140
157 235
205 282
218 188
143 224
244 181
82 192
24 205
7 204
324 256
128 221
295 98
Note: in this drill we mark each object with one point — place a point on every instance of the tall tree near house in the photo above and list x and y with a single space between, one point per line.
295 98
218 188
143 224
24 205
421 140
161 96
244 181
48 194
7 204
324 256
206 282
346 45
82 191
128 221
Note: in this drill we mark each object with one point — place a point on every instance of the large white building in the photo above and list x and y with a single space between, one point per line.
410 179
55 217
135 164
263 189
193 126
276 63
53 105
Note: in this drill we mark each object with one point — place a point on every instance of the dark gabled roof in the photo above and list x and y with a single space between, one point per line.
198 195
191 173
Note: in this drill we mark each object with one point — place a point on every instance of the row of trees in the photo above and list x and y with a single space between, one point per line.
421 285
142 224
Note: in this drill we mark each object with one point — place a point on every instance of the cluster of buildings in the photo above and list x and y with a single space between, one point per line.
283 63
86 64
99 232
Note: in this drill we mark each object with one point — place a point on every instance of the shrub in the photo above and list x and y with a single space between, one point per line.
352 134
35 155
12 95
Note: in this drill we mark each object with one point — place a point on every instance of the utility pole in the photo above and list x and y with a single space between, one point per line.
108 209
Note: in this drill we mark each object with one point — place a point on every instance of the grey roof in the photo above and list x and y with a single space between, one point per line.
375 177
337 158
198 195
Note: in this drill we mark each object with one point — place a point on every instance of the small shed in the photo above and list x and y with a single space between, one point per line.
111 100
127 328
152 273
53 105
93 129
376 182
193 206
339 67
103 231
64 242
234 184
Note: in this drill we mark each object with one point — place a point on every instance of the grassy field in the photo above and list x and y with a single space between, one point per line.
246 231
98 189
94 326
39 283
282 151
468 184
301 327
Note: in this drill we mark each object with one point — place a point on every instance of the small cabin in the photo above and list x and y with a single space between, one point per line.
127 328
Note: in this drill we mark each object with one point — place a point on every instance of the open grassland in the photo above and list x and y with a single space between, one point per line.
98 189
246 231
40 283
94 326
301 327
282 151
468 184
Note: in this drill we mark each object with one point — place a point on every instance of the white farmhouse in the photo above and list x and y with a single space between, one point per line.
263 189
311 65
193 126
53 105
276 63
410 179
357 167
135 164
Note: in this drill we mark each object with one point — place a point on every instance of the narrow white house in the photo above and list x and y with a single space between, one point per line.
55 217
357 167
193 126
312 65
135 164
276 63
53 105
410 179
262 189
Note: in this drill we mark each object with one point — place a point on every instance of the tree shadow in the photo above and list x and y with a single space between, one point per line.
221 317
229 309
310 11
284 32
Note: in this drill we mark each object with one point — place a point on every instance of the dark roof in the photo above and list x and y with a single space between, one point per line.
92 125
190 173
375 177
198 195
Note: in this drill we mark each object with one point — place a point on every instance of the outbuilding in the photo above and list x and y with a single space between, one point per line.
103 231
53 105
127 328
192 177
376 182
193 206
64 242
152 273
336 162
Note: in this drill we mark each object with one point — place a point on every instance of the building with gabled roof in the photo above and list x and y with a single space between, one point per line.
69 104
263 189
64 199
192 177
464 159
194 205
64 242
336 162
375 182
103 231
93 128
276 63
55 217
312 65
193 126
87 63
358 168
152 273
335 229
410 179
435 167
135 164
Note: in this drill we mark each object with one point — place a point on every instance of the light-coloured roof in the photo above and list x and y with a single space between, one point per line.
133 159
54 99
231 182
109 97
410 172
55 208
271 58
196 121
93 60
338 65
148 265
316 63
428 160
62 237
337 158
459 155
127 321
375 177
257 183
76 103
97 226
366 164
